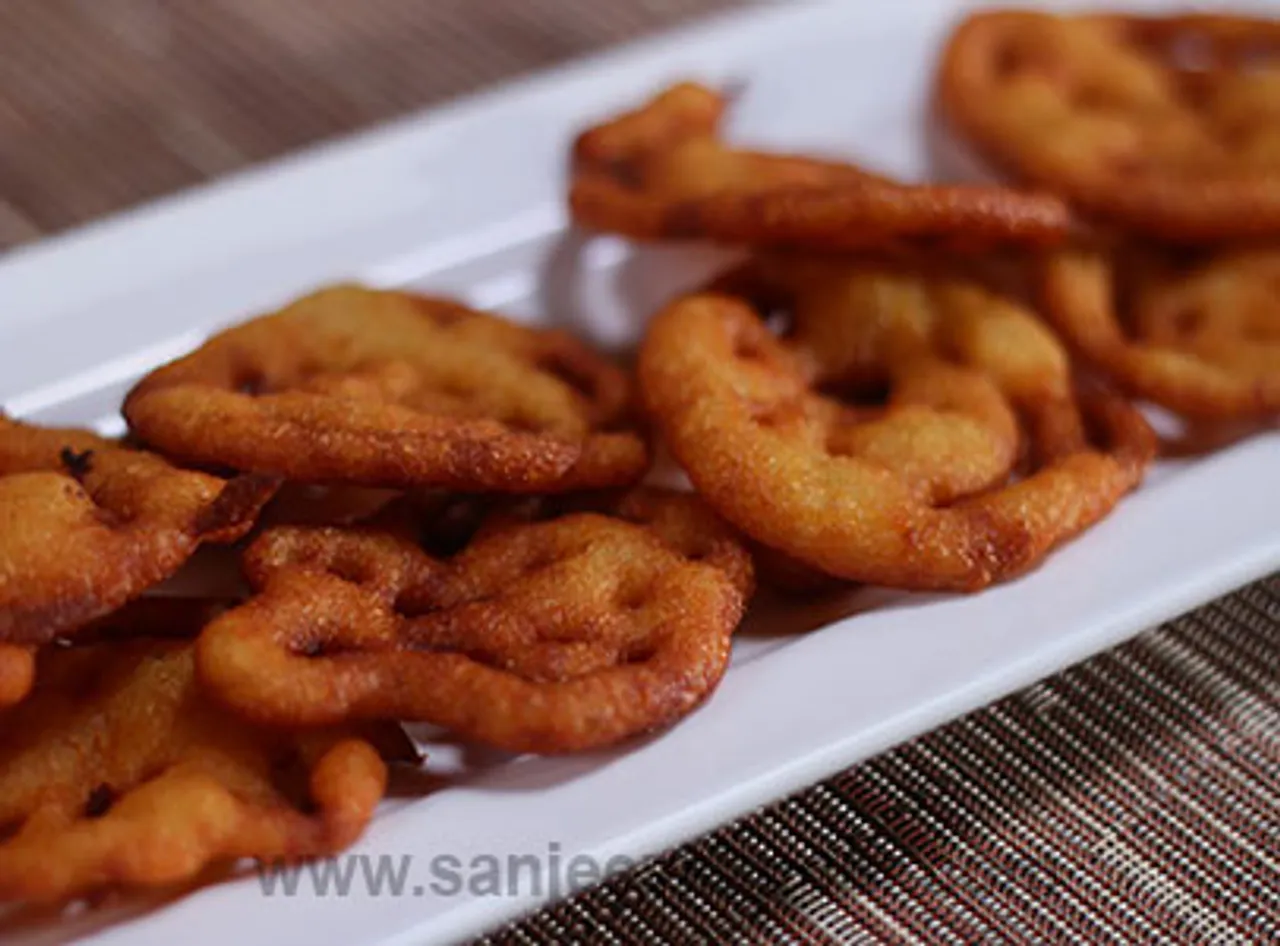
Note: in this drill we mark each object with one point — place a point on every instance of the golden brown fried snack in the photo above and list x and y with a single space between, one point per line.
549 636
119 772
679 518
1169 126
872 326
87 524
688 525
388 389
1200 337
17 673
662 172
913 494
955 337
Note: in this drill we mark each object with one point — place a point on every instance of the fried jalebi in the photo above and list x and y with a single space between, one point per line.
540 636
1201 338
662 172
1169 126
118 772
914 493
388 389
87 524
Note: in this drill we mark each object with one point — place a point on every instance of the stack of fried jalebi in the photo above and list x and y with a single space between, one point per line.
115 768
912 422
119 770
439 514
438 521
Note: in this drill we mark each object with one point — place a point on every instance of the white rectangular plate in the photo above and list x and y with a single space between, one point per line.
468 199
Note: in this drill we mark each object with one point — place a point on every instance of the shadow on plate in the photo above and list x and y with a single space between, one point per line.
604 290
454 763
36 925
949 160
1198 440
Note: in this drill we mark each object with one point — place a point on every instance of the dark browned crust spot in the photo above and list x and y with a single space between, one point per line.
77 464
99 801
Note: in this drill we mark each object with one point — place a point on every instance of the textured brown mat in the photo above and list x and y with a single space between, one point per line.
105 103
1133 799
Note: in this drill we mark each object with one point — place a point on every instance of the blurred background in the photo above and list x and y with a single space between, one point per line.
106 103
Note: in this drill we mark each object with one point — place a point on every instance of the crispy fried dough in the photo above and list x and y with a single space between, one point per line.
388 389
118 772
662 172
548 636
1169 126
87 524
915 493
1201 338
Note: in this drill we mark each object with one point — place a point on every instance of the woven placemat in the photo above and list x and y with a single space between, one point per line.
105 103
1132 799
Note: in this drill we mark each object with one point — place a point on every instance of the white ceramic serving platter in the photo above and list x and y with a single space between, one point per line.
468 199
